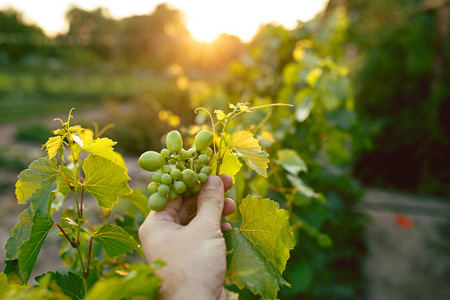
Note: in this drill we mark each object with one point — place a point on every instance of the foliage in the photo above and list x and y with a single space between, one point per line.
302 68
45 185
404 43
95 254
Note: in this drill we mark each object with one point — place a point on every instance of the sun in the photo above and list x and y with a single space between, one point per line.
202 32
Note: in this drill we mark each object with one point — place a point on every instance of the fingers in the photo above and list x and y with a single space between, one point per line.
227 181
211 200
189 206
225 226
229 206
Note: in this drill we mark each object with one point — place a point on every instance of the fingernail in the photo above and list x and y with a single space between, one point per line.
213 183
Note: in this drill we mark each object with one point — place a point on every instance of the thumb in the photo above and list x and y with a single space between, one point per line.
211 200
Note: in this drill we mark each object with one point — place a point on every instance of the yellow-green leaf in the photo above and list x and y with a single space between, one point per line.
102 147
54 145
246 145
220 114
105 180
230 164
313 76
259 249
37 184
139 283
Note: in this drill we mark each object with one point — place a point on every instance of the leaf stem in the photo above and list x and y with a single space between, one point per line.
74 245
86 273
81 199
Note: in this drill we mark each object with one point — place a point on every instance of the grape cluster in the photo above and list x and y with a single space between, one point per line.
180 171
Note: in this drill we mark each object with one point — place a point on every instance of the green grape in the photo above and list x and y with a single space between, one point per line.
187 194
157 202
153 187
174 141
203 177
203 159
198 166
151 161
166 169
206 170
203 139
183 154
179 187
172 161
191 152
195 189
189 177
173 195
166 179
163 189
208 151
157 177
165 152
175 174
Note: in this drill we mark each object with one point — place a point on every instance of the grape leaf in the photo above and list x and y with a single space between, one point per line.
101 147
115 241
140 281
70 284
20 233
139 201
246 145
259 249
230 164
37 184
302 188
3 287
53 145
63 188
21 263
105 180
291 162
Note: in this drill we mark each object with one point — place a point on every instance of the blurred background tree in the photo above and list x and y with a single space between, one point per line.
402 91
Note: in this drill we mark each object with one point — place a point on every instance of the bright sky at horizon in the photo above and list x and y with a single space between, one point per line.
205 18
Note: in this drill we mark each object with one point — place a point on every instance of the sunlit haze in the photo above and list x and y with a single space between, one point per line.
205 18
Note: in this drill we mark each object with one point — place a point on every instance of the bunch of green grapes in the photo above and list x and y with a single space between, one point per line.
177 171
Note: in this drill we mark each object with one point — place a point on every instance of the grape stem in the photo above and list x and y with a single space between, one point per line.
74 245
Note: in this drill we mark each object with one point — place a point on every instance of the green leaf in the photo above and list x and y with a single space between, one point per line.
19 268
63 188
230 164
246 145
115 241
37 184
304 108
105 180
140 281
291 162
301 187
70 284
102 147
20 233
259 249
139 201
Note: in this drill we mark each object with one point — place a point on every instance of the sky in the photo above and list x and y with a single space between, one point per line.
205 18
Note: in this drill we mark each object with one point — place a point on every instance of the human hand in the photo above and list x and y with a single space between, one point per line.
193 249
